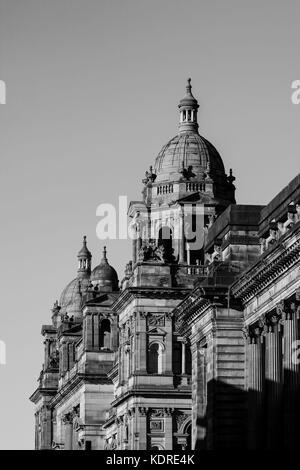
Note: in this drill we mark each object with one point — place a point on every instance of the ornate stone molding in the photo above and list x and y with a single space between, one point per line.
156 319
67 418
161 412
181 418
143 411
266 270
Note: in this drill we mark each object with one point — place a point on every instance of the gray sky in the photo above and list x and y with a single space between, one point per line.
92 94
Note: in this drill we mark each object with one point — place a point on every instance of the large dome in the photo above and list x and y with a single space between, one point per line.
187 149
71 297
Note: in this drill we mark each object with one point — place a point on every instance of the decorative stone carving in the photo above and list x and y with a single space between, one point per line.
143 411
157 413
180 419
245 331
156 320
161 412
150 176
256 332
68 418
157 425
186 173
54 360
169 315
150 251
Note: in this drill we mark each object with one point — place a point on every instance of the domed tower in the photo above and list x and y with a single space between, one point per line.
104 276
70 302
84 260
190 162
186 188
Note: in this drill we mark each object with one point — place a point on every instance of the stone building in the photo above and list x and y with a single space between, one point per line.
196 347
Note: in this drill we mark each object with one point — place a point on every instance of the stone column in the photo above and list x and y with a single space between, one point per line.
181 237
65 356
88 333
255 365
167 363
290 315
188 254
273 380
47 352
142 428
142 347
138 242
168 412
95 320
183 357
199 397
134 250
68 425
121 354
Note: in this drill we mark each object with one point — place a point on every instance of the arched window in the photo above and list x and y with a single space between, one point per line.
155 358
105 334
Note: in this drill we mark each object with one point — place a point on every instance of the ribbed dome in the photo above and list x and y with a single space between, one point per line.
71 297
105 275
187 149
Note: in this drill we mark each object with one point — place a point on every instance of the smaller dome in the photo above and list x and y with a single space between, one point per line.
105 275
188 99
84 252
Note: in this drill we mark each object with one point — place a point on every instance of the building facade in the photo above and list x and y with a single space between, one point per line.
196 347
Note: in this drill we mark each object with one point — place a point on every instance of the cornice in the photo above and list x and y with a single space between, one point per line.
75 383
150 393
40 392
273 263
150 293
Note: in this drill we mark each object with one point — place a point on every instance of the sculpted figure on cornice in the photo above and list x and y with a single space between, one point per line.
156 320
150 251
256 331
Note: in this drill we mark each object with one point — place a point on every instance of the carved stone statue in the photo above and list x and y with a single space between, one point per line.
150 251
54 360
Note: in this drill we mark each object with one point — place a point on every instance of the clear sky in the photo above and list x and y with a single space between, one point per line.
92 94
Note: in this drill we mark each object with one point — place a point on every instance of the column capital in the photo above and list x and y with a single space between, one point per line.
68 418
143 410
256 332
272 320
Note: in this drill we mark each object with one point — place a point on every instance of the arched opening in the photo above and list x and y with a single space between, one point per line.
165 237
105 334
155 358
157 447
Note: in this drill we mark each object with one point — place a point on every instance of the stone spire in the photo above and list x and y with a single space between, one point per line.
188 108
84 260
